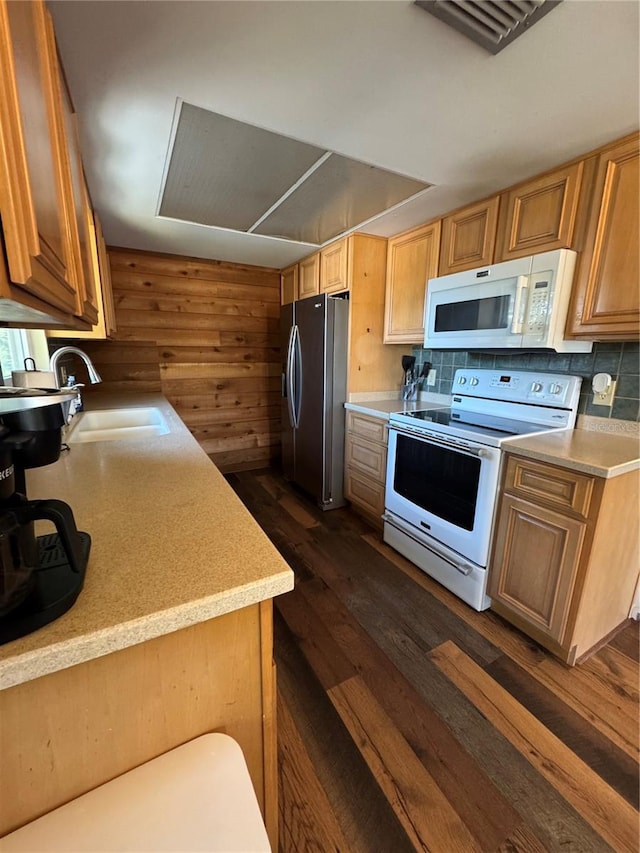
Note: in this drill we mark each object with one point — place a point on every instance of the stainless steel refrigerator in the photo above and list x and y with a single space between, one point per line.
314 379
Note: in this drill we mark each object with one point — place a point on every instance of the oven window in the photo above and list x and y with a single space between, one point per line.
440 480
473 315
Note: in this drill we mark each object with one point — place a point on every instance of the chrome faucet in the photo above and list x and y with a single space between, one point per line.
94 376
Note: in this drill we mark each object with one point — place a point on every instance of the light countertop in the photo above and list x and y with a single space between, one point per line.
376 408
172 546
600 454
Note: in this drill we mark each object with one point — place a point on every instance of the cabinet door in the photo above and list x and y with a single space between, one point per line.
535 564
366 457
365 493
309 276
605 302
105 326
469 237
334 267
80 213
412 259
106 288
540 216
33 206
289 285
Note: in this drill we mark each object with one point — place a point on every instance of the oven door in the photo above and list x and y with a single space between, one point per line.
465 311
445 488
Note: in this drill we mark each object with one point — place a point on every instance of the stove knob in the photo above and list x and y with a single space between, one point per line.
473 380
536 386
462 380
554 388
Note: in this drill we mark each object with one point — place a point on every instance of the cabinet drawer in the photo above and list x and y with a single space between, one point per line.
365 426
367 457
364 493
559 487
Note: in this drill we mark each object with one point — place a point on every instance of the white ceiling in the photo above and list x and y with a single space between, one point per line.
377 81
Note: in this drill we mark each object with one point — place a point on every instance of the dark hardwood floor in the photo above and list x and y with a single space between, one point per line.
407 721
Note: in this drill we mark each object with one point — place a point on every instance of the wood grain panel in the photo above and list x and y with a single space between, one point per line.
163 284
593 799
487 815
298 778
197 269
85 721
179 303
587 689
204 333
567 784
424 812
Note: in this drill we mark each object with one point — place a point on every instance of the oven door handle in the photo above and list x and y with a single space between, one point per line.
443 442
464 568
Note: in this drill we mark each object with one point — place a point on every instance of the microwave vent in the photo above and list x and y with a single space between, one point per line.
493 24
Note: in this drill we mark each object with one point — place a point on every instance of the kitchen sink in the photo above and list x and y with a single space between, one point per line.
113 424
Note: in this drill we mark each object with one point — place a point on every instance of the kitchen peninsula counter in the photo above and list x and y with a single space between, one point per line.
170 638
171 546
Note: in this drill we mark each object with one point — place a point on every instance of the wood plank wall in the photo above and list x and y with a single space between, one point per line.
205 334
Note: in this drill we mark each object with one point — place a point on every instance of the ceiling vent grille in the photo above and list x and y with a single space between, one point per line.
493 24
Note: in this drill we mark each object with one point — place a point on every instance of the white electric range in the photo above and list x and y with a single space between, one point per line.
443 469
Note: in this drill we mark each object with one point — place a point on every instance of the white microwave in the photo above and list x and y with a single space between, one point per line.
519 304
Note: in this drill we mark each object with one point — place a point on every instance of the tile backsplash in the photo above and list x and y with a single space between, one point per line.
621 360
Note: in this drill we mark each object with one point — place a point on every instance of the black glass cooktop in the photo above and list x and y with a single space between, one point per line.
476 422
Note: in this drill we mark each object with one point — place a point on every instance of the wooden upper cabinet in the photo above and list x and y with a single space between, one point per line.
33 183
108 313
540 215
334 267
412 259
309 276
469 236
105 325
80 214
289 285
605 304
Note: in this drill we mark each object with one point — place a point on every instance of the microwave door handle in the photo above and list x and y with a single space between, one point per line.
520 306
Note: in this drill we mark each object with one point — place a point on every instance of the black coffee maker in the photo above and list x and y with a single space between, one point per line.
40 576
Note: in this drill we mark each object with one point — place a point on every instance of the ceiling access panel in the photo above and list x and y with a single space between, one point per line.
338 196
226 173
493 24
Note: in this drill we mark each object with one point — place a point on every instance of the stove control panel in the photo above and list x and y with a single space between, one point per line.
518 386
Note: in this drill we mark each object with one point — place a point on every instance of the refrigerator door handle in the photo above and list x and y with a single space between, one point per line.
289 377
297 388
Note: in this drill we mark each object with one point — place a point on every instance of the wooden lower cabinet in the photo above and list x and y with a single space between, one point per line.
365 464
565 558
66 733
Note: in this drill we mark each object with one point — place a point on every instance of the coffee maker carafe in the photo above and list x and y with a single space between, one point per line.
40 576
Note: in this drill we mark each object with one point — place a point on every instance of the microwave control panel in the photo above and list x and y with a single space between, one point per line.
538 308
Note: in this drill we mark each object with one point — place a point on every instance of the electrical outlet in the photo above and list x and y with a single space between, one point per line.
606 398
431 377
